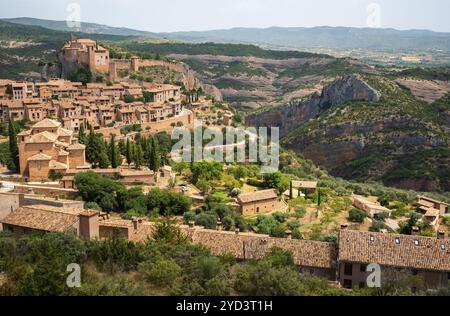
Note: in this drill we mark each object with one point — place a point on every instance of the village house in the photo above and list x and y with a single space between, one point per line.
161 93
371 208
259 202
306 187
398 256
47 146
425 204
43 218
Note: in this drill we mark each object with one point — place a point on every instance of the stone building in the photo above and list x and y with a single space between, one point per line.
397 255
48 146
88 53
41 218
259 202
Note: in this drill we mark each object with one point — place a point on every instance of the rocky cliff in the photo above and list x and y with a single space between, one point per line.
293 115
358 132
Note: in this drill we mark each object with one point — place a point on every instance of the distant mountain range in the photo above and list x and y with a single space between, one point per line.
88 28
293 37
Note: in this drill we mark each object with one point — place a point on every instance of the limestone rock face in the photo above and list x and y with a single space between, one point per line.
293 115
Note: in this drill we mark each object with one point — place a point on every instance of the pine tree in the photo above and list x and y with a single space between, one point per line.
13 147
129 153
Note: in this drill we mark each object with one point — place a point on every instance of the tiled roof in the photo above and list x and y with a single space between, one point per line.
422 197
47 123
257 196
46 218
56 165
252 246
304 184
64 132
39 157
76 147
413 252
44 137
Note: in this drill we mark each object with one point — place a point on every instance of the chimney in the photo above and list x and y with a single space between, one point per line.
289 234
135 223
344 226
441 234
219 225
191 224
89 225
415 231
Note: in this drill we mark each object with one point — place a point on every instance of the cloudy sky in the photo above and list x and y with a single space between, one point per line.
189 15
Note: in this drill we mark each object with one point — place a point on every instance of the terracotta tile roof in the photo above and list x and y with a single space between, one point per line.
257 196
46 218
47 123
304 184
56 165
432 212
422 197
64 132
76 147
44 137
401 251
39 157
251 246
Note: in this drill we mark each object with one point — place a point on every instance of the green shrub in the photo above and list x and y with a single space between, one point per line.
163 272
357 216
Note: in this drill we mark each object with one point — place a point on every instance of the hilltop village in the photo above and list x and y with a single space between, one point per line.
63 183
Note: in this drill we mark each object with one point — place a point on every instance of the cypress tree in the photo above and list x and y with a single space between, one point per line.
13 147
155 159
129 153
114 152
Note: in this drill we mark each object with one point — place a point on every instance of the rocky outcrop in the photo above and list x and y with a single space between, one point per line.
293 115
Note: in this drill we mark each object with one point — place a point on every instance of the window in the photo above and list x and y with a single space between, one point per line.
397 241
257 210
416 242
372 238
348 269
348 284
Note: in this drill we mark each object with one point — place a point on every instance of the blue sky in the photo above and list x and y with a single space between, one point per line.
188 15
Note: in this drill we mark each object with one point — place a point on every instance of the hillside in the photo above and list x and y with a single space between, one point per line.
23 48
250 76
292 37
87 28
395 139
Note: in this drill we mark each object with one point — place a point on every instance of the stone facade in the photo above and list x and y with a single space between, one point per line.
48 146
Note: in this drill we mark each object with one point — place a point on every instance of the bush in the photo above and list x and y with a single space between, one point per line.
280 217
229 223
189 217
357 215
278 231
266 224
163 272
207 220
92 206
293 225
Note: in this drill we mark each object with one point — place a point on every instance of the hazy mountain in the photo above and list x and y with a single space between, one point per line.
287 37
88 28
326 37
